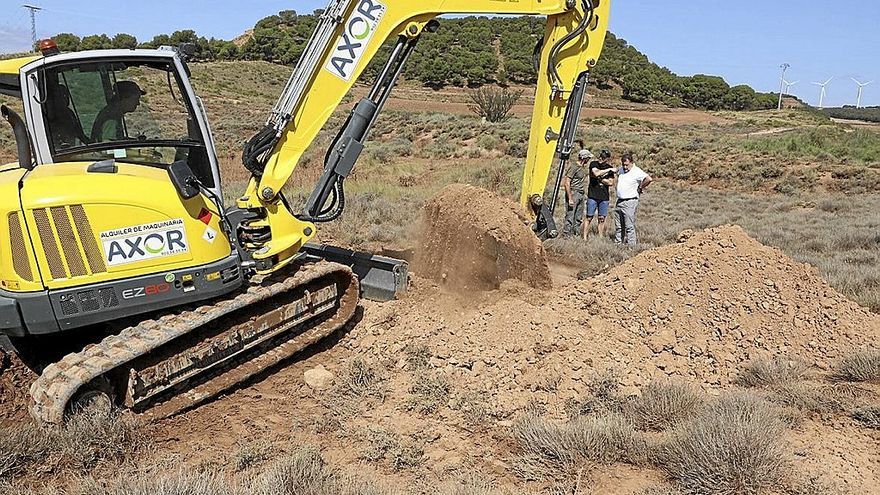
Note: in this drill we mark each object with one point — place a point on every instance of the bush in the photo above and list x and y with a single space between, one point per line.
250 454
358 378
389 446
860 367
86 439
20 447
93 436
607 438
178 483
428 392
493 104
735 446
664 404
772 372
301 472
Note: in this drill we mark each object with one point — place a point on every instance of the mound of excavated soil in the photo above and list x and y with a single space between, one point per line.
15 380
699 309
472 239
721 297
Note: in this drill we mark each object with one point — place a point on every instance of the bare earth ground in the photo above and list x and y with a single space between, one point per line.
698 311
456 368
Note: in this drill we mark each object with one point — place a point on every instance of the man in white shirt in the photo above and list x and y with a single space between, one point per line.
631 183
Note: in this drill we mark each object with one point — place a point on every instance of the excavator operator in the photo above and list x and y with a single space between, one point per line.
108 124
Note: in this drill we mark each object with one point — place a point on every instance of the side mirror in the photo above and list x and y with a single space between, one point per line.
184 180
187 50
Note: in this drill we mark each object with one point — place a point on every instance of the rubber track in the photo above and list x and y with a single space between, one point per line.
60 381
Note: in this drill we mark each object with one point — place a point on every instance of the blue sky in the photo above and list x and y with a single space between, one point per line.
727 38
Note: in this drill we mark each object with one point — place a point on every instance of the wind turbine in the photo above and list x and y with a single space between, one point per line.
861 87
784 68
788 86
822 93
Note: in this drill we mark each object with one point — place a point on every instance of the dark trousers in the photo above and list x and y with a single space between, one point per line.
574 215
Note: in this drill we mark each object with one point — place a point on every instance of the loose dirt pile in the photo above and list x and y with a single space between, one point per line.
472 239
699 310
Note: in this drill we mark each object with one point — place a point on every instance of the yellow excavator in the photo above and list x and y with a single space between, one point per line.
116 241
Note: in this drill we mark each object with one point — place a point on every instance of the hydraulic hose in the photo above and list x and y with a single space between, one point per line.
581 28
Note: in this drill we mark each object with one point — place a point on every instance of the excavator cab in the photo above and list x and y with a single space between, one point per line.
114 209
132 106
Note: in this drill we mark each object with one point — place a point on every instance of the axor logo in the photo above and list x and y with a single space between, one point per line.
143 247
356 34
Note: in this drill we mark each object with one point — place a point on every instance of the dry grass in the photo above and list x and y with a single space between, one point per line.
417 356
859 367
428 392
868 416
769 372
162 483
20 448
385 445
359 379
557 447
251 454
84 441
471 484
664 404
474 408
604 396
660 490
735 446
302 472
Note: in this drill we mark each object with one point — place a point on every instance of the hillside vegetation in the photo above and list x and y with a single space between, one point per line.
470 51
869 114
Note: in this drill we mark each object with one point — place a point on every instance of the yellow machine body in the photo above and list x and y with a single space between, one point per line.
83 226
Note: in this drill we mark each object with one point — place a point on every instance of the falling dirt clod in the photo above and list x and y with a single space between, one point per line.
474 240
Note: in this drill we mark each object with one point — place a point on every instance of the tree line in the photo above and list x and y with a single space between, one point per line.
868 114
470 51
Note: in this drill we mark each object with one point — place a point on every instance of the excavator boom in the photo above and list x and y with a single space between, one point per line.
348 36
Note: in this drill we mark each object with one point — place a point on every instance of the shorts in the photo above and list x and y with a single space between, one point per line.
595 204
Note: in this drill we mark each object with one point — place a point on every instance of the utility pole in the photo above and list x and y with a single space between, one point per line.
33 10
782 84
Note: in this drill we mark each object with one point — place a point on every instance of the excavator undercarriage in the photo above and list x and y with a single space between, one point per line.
203 350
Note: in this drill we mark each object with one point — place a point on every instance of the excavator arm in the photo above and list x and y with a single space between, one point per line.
348 36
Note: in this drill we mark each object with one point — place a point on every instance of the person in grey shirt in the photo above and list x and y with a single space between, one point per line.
631 183
575 183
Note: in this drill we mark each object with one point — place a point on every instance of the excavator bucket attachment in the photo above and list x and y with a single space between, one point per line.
381 278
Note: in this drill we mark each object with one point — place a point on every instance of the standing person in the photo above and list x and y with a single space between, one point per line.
598 193
574 183
631 183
